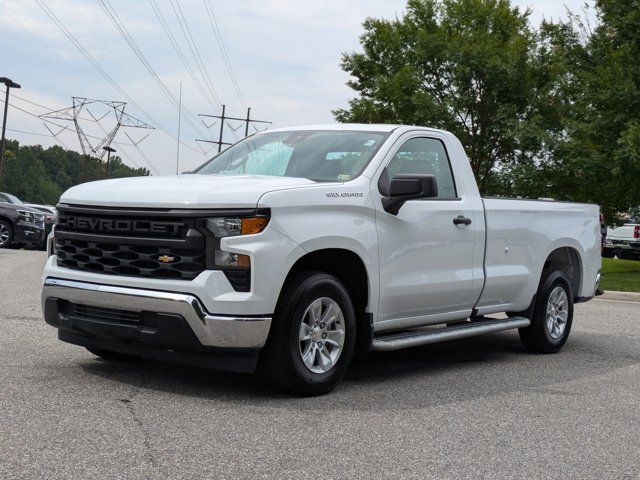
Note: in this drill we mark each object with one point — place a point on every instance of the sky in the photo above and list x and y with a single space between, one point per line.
279 57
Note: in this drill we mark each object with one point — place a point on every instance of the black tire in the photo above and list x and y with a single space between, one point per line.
537 337
608 253
6 231
109 355
282 358
623 255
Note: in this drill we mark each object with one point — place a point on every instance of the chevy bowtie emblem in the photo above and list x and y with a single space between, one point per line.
166 259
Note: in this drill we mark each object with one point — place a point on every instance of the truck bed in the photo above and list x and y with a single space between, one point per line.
521 234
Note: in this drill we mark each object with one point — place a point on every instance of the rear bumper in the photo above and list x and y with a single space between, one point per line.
149 323
624 245
596 291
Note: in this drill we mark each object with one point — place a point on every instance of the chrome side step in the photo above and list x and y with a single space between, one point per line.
424 337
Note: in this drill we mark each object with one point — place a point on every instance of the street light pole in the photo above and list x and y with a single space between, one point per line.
9 84
108 150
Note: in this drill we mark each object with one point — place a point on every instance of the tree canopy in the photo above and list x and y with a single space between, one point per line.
38 175
552 111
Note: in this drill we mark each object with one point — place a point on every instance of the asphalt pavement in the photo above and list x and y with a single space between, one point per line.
477 408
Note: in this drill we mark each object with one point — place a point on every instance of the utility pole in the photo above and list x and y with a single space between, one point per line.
109 151
221 127
223 118
9 84
179 116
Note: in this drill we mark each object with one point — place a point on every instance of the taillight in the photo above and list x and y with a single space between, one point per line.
636 231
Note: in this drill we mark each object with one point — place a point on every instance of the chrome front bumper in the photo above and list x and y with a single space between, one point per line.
211 330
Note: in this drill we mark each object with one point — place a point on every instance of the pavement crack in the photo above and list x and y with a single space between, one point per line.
146 439
129 405
22 317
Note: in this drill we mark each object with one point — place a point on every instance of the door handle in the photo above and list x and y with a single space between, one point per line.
461 220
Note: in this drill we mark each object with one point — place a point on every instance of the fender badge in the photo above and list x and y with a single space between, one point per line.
166 259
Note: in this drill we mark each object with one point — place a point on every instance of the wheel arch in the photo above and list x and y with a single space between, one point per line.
568 260
7 219
351 270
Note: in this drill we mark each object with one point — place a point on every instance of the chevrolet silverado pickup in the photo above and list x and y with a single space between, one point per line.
297 247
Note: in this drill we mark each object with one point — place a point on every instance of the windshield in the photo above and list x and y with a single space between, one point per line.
7 197
319 155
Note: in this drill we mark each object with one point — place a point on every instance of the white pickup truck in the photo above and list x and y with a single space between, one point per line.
623 241
296 247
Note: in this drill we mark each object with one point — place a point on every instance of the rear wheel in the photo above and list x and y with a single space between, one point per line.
552 315
313 335
109 355
6 234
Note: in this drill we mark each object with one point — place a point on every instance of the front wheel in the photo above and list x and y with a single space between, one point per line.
552 315
313 335
6 234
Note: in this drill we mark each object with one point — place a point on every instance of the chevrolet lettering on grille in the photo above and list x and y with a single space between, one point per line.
109 225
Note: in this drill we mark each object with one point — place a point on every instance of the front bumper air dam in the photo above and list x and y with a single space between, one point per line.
28 234
171 326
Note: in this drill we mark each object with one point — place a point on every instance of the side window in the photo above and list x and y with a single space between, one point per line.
425 156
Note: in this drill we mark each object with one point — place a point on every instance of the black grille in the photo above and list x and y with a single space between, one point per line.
130 259
99 313
139 244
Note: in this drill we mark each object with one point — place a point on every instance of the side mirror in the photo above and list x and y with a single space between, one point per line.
408 187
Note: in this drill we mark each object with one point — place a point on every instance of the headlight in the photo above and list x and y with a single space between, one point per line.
27 216
232 226
221 227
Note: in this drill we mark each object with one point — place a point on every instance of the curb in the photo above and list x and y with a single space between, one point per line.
620 296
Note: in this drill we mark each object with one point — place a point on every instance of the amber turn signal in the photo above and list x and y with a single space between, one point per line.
253 225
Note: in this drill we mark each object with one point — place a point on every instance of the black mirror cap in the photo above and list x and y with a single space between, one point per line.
406 187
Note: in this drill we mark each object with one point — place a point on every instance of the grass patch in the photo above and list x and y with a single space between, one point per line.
620 275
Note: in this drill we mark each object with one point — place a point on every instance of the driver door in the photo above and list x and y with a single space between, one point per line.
426 261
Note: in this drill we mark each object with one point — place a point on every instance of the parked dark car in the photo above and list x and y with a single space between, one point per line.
50 216
50 213
20 225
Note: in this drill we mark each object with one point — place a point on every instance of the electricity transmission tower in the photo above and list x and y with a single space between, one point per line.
80 104
224 120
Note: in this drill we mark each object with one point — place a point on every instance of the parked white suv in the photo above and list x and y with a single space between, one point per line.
297 246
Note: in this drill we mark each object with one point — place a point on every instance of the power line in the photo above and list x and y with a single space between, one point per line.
184 26
208 5
120 26
98 67
28 133
174 43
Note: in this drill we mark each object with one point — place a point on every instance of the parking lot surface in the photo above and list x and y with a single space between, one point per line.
478 408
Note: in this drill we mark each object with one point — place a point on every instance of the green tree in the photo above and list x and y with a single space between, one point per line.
472 67
595 155
552 112
40 175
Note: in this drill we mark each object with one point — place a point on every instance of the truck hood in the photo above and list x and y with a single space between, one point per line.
183 191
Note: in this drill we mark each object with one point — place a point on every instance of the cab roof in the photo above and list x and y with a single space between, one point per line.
367 127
